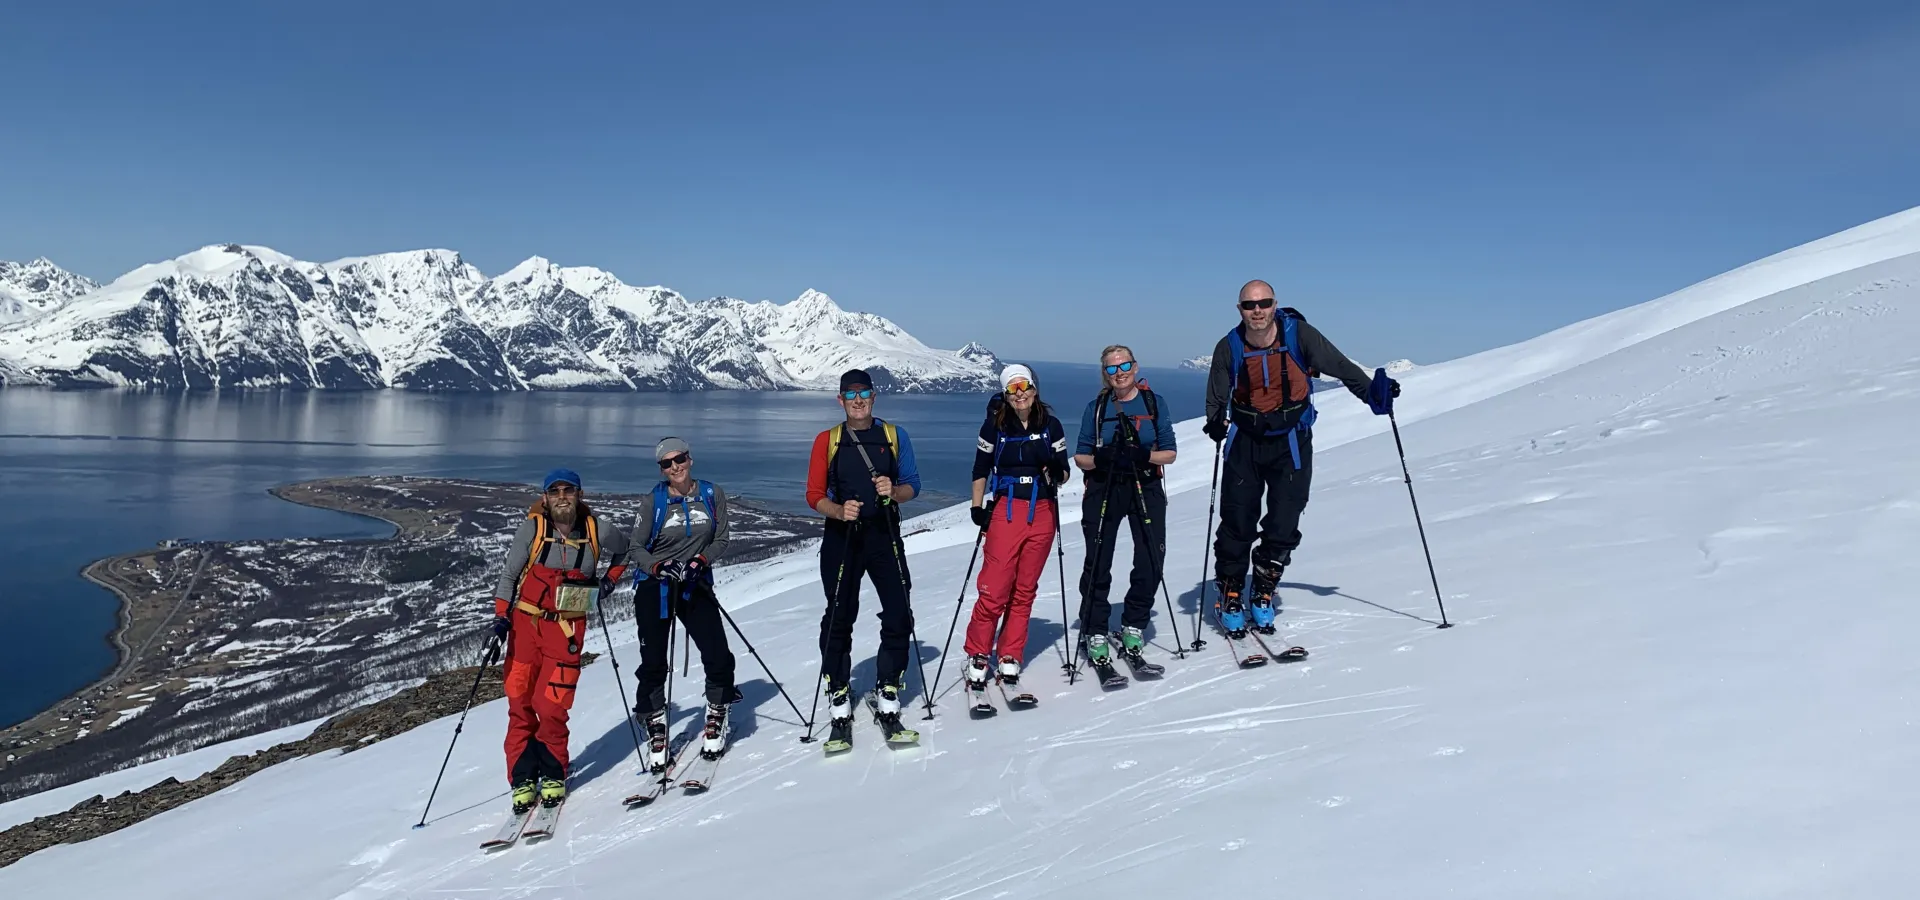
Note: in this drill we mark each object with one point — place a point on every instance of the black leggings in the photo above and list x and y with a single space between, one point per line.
699 611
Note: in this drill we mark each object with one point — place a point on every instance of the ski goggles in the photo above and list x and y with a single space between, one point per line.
857 395
1020 386
1123 367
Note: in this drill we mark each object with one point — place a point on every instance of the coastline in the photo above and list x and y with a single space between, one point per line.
221 639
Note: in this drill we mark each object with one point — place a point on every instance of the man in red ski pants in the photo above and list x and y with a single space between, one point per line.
540 607
1020 462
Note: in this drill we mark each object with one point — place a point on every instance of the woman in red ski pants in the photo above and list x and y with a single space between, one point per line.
1021 461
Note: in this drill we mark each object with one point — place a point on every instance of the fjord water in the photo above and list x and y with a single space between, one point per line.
90 474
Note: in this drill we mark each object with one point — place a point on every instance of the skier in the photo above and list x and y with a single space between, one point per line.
677 536
1020 462
859 492
1121 455
1260 402
551 578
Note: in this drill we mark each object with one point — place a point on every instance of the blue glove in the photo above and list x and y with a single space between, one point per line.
1381 392
500 627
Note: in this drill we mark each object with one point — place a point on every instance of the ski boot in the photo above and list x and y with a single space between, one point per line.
1010 685
713 741
1262 609
525 793
657 743
553 791
1233 619
1132 642
1009 670
840 719
979 669
1100 655
885 705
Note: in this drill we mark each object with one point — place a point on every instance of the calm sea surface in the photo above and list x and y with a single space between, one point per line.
88 474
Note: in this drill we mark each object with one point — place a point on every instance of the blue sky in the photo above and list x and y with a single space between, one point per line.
1424 180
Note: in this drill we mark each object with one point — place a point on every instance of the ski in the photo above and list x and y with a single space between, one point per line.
978 706
1291 654
1021 700
1138 663
509 832
664 778
839 737
543 821
898 735
700 773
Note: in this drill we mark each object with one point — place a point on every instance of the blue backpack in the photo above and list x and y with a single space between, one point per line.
1290 422
663 500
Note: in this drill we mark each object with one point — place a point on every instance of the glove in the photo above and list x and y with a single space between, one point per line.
670 570
1106 457
983 515
500 627
697 569
1142 458
607 585
1216 429
1381 392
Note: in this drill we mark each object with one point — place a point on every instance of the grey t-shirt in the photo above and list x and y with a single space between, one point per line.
614 545
686 532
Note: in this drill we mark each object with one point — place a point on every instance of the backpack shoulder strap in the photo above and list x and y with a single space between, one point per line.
1290 331
536 549
1237 347
660 503
893 442
1100 419
593 538
706 497
1153 405
833 442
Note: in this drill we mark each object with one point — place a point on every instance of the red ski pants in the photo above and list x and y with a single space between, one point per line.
543 666
1015 555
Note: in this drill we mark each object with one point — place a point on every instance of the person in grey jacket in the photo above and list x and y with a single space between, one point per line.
680 532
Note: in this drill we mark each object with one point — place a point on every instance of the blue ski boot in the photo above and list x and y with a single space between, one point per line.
1233 619
1263 614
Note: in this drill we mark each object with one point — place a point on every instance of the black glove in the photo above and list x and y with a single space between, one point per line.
1105 458
1142 458
500 627
670 570
697 569
1216 429
983 515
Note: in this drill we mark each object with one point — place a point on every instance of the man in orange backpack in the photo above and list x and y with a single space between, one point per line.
1260 402
540 608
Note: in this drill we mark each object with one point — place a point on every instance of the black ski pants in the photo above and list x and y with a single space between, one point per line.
848 552
1110 501
1257 467
699 611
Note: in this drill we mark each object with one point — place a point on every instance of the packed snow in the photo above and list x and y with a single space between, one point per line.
1677 543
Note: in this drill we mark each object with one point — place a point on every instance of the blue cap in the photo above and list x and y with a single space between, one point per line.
559 475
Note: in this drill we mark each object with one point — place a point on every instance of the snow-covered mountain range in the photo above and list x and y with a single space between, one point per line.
245 316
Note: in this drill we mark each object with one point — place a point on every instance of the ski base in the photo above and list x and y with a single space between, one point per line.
700 773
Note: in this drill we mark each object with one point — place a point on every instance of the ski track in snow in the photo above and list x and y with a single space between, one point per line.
1627 536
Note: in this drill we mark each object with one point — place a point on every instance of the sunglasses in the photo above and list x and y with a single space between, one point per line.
857 395
1257 304
679 459
1020 387
1123 367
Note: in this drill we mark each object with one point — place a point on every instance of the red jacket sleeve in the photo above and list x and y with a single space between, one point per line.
817 472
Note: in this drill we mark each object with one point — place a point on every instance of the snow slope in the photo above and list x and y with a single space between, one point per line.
1677 541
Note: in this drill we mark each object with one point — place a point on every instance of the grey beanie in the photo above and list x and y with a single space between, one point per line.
670 447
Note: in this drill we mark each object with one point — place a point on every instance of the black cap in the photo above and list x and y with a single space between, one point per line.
855 378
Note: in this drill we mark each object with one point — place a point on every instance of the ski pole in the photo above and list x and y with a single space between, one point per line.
833 620
490 654
957 603
1153 553
756 655
1416 520
1060 548
1206 558
900 568
608 633
686 653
